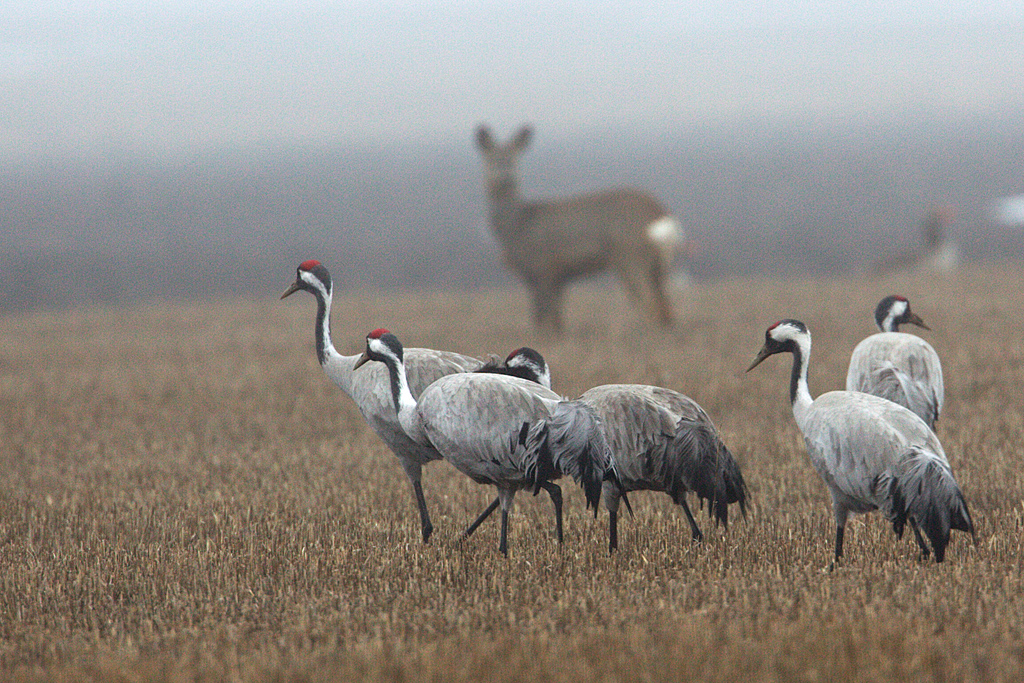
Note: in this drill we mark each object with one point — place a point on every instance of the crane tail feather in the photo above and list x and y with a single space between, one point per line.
705 466
929 495
576 446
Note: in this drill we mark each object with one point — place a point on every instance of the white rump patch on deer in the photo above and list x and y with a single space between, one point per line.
666 231
667 235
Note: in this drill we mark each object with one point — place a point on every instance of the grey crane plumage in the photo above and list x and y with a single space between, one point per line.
897 366
369 389
500 430
662 440
871 453
528 364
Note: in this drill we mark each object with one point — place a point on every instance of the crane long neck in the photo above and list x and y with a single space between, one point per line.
322 331
405 402
889 323
337 366
799 391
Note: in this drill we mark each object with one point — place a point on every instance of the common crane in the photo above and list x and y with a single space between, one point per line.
662 440
500 430
528 364
871 453
900 367
369 389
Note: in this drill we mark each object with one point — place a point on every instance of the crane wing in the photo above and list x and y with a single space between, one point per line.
857 442
423 367
481 423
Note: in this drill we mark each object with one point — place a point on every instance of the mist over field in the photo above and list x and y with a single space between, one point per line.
756 200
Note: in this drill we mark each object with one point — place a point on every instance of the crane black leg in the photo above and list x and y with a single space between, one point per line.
480 520
555 491
697 535
503 543
613 530
925 551
421 503
839 542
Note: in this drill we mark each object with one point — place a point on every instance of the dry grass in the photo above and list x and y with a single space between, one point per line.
186 497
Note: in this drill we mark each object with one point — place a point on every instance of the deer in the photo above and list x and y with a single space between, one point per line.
548 243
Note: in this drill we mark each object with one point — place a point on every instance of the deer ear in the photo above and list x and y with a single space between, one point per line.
522 138
483 137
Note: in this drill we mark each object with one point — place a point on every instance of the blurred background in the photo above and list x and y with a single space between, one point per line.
179 149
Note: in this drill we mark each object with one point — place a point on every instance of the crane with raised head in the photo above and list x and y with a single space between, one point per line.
873 454
898 366
369 389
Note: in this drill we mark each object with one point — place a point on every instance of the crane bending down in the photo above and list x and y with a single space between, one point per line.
370 393
527 364
900 367
662 440
871 452
369 389
500 430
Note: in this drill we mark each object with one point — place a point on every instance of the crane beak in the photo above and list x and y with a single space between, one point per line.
761 355
362 360
291 290
914 319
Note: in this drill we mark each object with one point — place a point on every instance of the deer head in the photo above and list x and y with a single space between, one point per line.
501 159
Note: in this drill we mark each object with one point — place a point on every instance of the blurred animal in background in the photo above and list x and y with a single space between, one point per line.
551 242
897 366
872 454
936 252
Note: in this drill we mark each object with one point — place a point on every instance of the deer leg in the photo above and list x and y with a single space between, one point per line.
661 306
643 282
547 305
654 291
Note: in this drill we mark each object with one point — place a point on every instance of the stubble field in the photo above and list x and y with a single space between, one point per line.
185 496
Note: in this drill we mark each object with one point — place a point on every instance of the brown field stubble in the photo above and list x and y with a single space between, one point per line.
185 496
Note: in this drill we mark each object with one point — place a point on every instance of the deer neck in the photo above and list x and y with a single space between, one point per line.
506 208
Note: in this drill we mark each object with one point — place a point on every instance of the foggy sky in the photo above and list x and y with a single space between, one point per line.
99 77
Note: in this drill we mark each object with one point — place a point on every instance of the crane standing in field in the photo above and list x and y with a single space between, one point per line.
549 243
662 440
370 393
369 389
871 453
900 367
528 364
500 430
